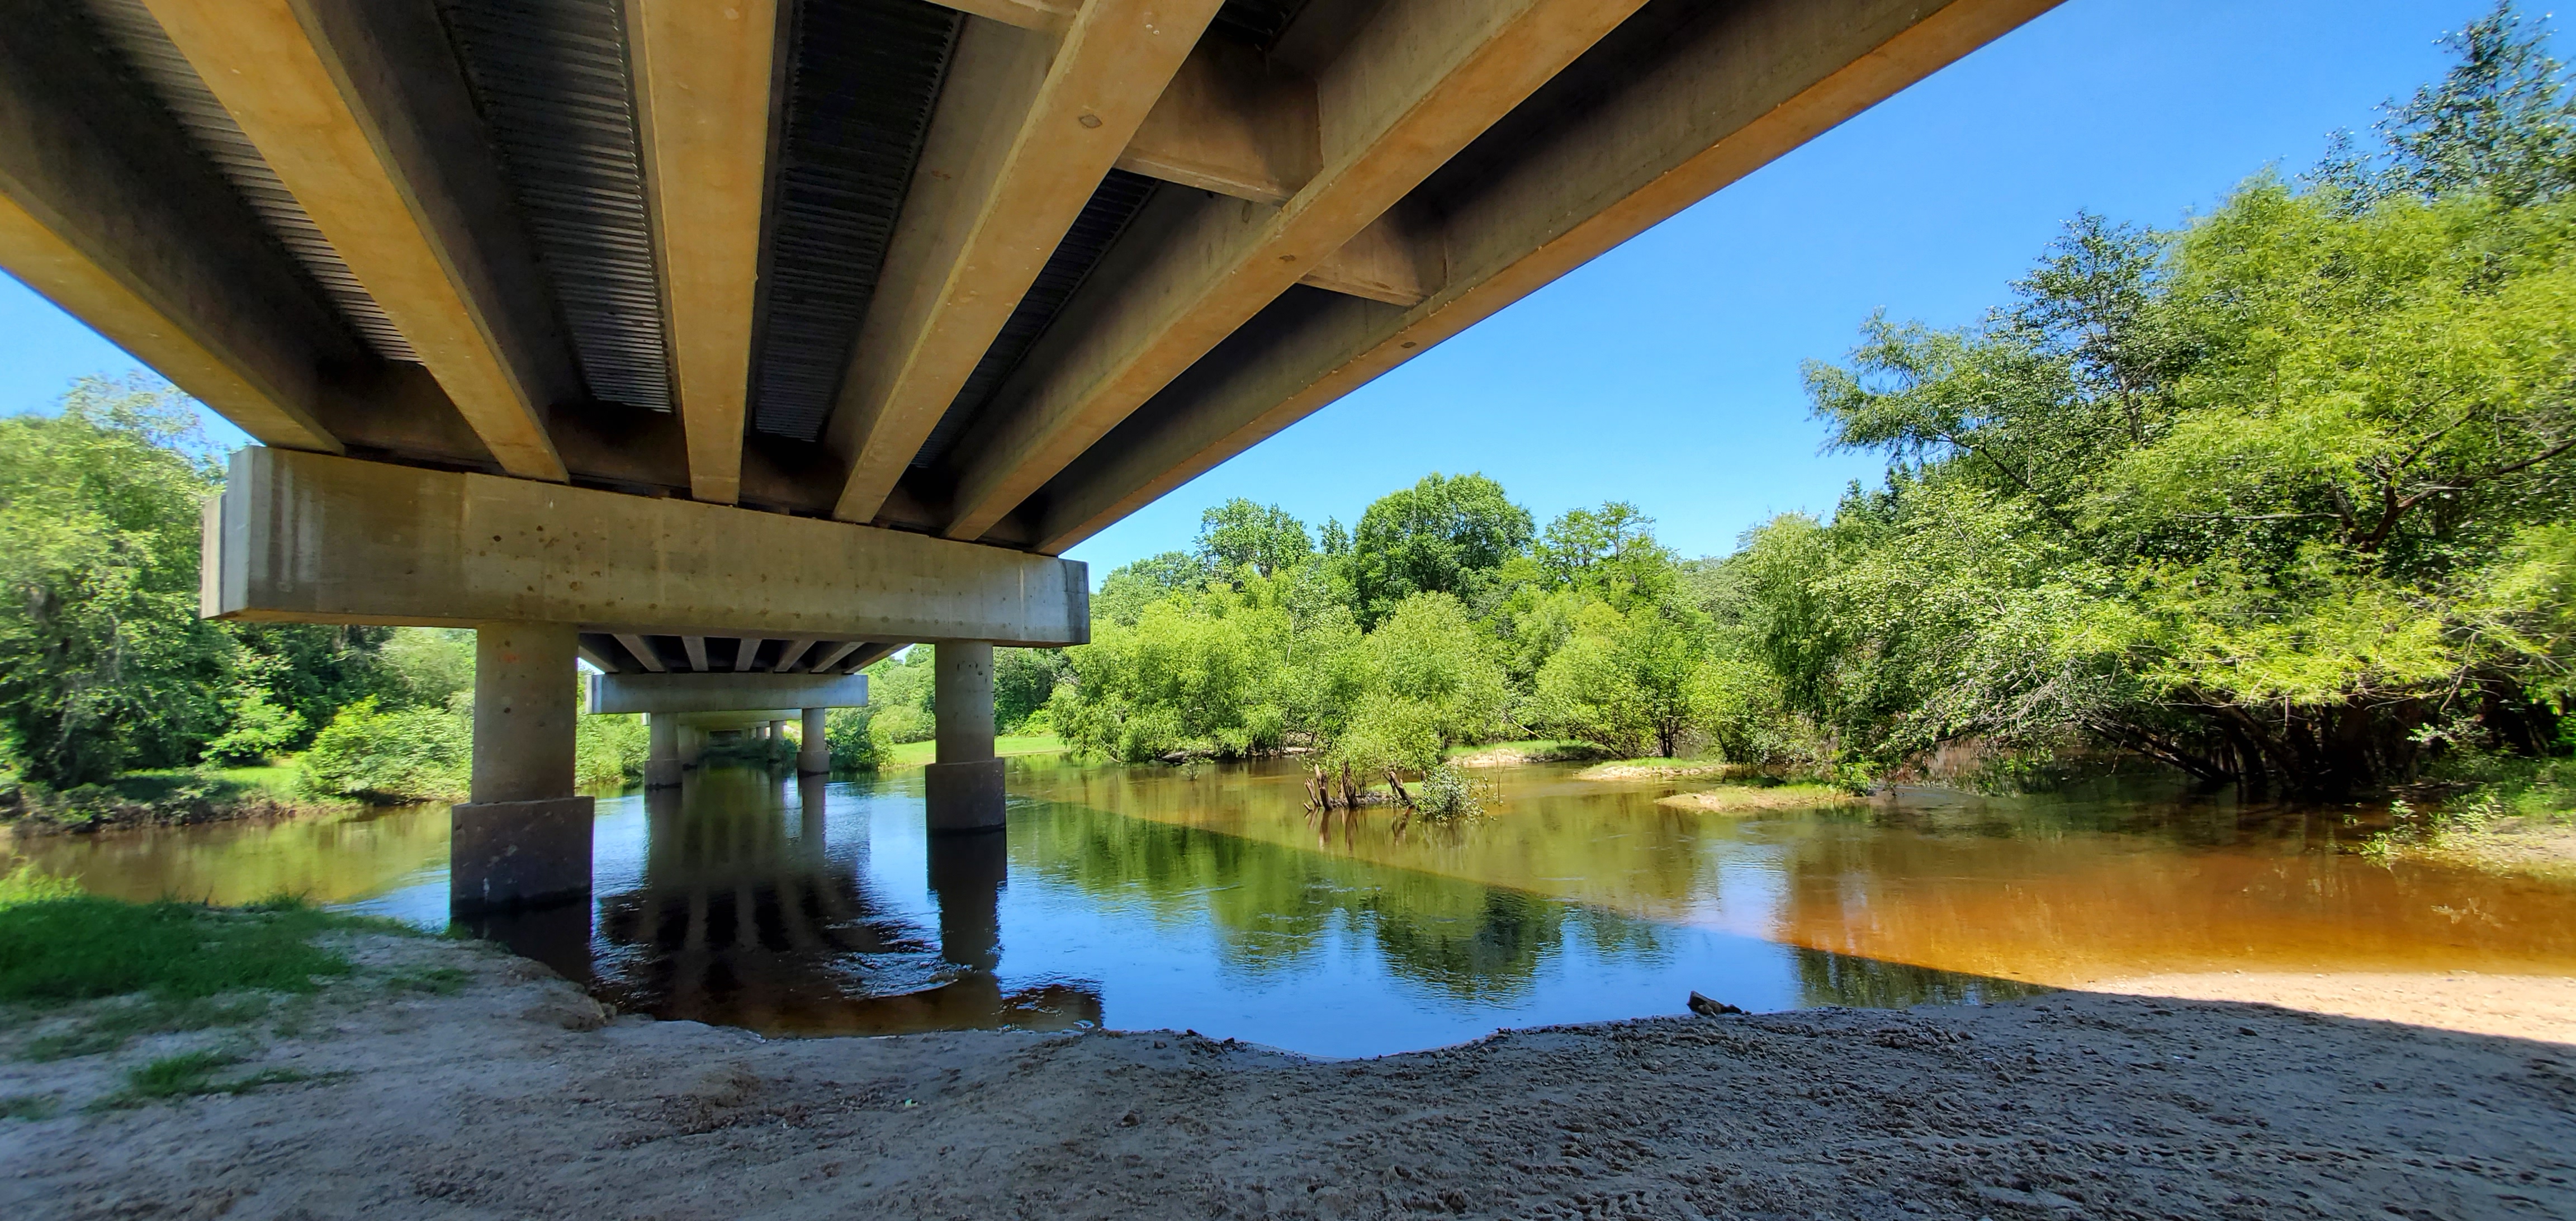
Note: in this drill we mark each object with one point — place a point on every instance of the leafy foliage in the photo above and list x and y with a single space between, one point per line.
104 664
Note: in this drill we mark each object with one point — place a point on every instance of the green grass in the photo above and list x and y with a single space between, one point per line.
132 969
190 1074
28 884
28 1106
63 950
1539 750
915 754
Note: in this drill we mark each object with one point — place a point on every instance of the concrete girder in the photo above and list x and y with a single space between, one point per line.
106 211
705 101
313 538
363 113
1027 125
1717 97
1415 85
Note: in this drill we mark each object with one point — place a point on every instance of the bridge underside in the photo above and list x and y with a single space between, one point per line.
767 336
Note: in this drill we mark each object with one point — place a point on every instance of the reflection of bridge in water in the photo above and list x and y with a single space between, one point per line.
742 916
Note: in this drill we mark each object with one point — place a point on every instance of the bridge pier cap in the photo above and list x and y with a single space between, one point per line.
312 538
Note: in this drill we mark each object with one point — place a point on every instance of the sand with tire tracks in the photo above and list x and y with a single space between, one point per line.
517 1097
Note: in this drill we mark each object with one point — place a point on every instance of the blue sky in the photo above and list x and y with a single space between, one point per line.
1665 373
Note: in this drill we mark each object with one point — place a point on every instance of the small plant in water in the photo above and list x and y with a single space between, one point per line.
1447 796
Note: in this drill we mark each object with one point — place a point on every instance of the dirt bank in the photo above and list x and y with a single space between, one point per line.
510 1097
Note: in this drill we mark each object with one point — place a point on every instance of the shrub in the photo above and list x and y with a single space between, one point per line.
609 749
1446 796
851 735
897 724
416 754
427 754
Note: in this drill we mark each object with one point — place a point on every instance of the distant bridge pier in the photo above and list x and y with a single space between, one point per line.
815 755
662 763
965 786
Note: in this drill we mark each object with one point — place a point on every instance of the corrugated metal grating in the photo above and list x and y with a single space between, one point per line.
863 77
551 80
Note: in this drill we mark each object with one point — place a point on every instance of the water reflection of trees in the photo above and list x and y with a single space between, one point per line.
1828 978
1274 909
741 917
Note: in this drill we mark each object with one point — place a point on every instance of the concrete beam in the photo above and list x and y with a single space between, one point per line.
1232 121
793 653
1384 262
642 651
1679 111
1027 125
872 654
361 110
704 102
108 211
658 693
314 538
832 656
753 719
1419 82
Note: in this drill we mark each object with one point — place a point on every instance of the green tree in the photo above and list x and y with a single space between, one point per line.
104 664
1240 534
1445 534
1023 681
2500 122
2261 497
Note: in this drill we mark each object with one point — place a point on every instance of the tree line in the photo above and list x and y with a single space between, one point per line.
2279 495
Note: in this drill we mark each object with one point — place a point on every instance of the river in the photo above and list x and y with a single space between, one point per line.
1210 899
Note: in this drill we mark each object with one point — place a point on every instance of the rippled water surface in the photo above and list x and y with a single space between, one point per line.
1211 900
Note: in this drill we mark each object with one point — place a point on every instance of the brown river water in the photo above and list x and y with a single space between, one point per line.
1210 899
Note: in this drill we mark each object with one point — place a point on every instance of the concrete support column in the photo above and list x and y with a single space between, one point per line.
693 745
524 839
662 750
965 786
815 755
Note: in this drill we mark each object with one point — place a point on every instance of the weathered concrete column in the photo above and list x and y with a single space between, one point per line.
965 786
662 750
693 745
775 731
524 839
815 754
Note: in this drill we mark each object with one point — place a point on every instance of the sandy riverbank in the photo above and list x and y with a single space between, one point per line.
515 1096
